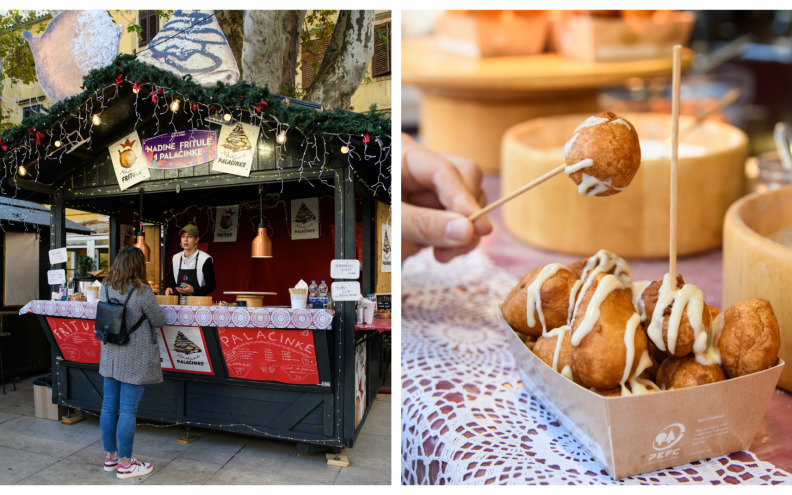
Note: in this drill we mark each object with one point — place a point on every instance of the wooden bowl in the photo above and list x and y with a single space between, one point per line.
756 265
635 222
167 300
199 300
251 301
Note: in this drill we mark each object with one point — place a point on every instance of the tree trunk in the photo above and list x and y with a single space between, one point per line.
346 60
270 48
231 23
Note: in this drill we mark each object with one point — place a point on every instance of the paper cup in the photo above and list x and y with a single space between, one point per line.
368 314
91 295
299 301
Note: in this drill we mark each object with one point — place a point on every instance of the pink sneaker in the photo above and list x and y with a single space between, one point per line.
110 463
136 468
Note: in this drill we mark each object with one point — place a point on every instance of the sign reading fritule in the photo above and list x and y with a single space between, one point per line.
236 149
180 149
129 162
226 223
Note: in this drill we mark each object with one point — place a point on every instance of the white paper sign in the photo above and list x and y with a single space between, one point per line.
386 250
185 348
345 291
305 218
58 256
226 223
129 162
55 277
345 269
236 149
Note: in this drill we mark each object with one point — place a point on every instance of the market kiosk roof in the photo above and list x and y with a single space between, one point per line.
15 212
48 151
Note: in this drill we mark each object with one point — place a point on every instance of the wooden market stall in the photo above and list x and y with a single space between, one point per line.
304 375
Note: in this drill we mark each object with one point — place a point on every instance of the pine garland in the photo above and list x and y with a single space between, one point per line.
243 95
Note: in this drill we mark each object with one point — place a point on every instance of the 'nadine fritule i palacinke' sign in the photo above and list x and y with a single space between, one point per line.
180 149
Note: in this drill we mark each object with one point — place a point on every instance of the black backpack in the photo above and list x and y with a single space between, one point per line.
110 323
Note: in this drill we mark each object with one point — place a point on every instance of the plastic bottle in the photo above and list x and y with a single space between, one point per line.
313 289
70 289
323 294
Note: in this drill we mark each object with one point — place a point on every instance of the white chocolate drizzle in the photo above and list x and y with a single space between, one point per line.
712 354
629 344
688 300
621 121
591 122
606 261
533 294
606 285
571 169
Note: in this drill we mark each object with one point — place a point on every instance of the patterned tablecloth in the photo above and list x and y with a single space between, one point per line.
204 316
466 418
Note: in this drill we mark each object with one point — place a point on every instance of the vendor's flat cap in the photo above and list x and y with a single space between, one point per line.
190 229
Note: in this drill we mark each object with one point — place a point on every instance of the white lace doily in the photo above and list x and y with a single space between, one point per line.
466 419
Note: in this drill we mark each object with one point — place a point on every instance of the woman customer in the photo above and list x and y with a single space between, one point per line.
127 368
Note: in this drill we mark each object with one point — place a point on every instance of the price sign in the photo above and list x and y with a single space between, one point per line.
383 302
58 256
345 269
345 291
55 277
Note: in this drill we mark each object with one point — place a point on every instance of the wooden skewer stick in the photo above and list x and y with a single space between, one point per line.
516 193
672 246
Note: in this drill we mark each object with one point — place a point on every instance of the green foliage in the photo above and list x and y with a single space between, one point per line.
317 28
243 95
84 265
16 59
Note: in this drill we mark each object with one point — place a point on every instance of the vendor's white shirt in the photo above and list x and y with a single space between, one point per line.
189 263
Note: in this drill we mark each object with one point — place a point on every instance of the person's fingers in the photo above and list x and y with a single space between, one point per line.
469 172
444 254
425 170
430 227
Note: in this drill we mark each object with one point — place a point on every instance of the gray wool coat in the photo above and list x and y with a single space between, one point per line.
137 362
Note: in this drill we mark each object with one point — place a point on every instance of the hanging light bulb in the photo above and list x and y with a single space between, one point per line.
22 170
227 117
262 245
281 137
175 105
96 120
57 144
136 88
141 236
345 149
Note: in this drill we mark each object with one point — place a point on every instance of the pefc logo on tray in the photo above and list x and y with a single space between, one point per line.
666 440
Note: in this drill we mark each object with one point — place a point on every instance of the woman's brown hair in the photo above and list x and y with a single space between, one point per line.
128 267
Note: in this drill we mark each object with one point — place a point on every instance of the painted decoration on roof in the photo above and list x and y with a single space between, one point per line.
129 163
236 149
305 218
74 42
191 42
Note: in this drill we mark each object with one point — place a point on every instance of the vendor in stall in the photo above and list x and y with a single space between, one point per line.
192 271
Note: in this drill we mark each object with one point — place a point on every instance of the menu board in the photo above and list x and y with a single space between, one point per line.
383 302
75 338
285 356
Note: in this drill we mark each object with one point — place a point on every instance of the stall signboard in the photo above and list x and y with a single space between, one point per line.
58 256
225 229
180 149
236 149
266 354
305 218
129 163
345 269
75 339
184 349
345 291
385 255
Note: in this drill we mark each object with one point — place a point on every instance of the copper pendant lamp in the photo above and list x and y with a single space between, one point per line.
262 245
141 236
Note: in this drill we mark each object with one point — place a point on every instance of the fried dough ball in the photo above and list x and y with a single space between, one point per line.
603 155
685 332
546 292
601 320
556 356
750 339
683 372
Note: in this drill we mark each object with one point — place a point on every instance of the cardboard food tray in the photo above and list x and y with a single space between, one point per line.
644 433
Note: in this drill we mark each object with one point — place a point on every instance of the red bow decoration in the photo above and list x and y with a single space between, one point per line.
366 137
38 138
136 86
154 97
119 79
5 148
261 105
195 107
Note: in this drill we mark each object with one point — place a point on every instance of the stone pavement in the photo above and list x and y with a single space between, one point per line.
36 451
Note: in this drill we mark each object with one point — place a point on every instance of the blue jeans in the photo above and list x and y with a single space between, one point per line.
117 421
